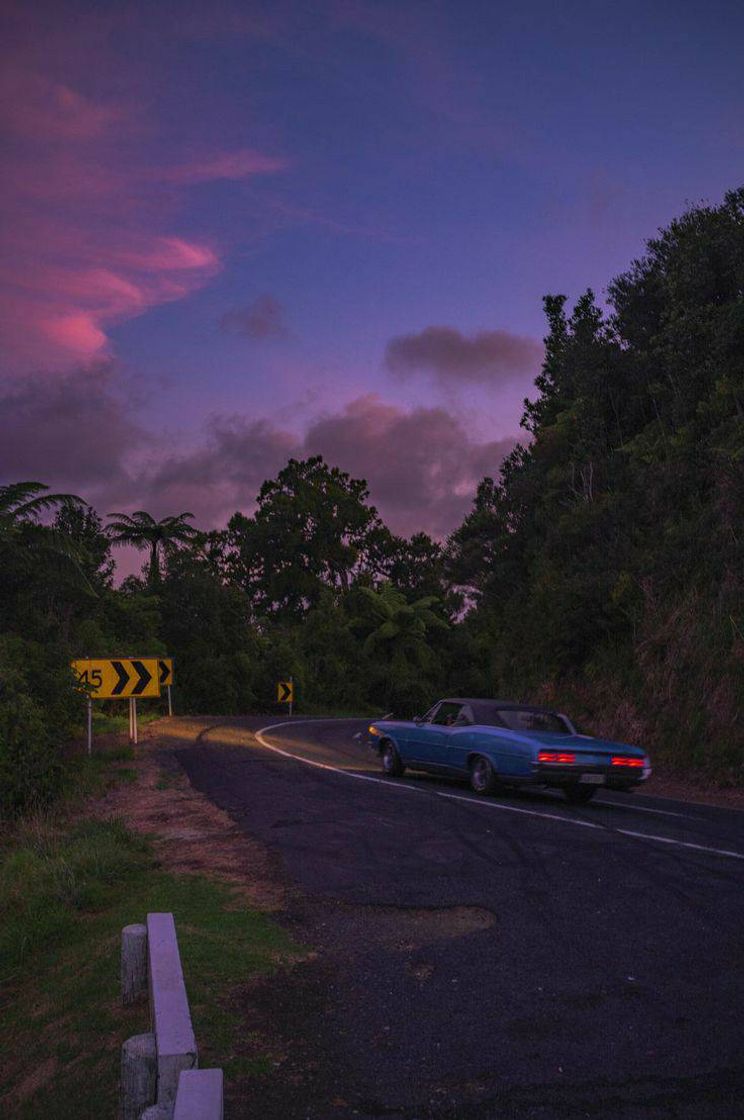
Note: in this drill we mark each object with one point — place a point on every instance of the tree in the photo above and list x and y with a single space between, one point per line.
399 642
28 547
312 529
81 524
143 532
22 502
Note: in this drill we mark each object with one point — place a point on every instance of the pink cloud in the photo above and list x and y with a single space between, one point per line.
228 165
422 464
82 432
34 107
57 307
88 235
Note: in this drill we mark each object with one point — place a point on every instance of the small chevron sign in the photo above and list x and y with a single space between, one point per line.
119 678
285 692
165 671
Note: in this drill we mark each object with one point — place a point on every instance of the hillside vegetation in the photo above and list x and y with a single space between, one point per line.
601 571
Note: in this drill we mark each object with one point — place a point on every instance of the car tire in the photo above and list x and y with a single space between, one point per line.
391 764
482 775
580 795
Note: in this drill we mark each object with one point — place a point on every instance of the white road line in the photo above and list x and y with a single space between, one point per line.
481 804
645 809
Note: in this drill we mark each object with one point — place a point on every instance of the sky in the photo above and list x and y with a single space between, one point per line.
238 232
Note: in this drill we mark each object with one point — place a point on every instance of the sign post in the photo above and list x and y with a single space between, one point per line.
90 727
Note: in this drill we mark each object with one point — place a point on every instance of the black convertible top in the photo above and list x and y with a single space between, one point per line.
484 711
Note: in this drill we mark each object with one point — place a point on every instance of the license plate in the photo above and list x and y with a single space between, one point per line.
591 779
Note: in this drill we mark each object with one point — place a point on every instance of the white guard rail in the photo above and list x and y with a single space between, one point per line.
159 1075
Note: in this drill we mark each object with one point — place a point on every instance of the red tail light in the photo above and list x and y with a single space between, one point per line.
556 756
624 760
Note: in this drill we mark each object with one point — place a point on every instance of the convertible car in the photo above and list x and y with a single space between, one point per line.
496 743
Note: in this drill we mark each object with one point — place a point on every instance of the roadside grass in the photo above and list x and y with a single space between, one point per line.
106 722
67 887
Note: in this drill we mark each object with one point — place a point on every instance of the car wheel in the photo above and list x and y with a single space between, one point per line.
579 795
391 764
482 775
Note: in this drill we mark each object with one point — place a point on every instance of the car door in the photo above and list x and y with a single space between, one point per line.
429 740
460 742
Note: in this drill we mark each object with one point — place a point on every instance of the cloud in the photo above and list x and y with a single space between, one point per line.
227 165
222 475
421 464
264 318
34 107
90 235
489 357
72 432
81 432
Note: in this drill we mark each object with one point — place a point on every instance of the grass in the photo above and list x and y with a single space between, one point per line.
105 723
66 890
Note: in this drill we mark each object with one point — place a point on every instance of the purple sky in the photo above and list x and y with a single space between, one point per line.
239 232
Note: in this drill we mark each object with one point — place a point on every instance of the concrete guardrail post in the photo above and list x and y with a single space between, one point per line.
138 1076
134 963
159 1075
199 1095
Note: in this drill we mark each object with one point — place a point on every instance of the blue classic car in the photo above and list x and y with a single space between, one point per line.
497 743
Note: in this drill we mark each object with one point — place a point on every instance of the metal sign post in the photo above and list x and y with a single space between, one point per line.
291 695
134 720
90 726
170 702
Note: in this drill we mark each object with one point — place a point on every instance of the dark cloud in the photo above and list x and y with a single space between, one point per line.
264 318
221 476
487 357
72 431
80 433
422 466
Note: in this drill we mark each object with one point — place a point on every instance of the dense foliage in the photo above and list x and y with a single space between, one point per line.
602 571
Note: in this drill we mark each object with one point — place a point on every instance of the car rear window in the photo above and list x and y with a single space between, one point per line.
525 719
521 719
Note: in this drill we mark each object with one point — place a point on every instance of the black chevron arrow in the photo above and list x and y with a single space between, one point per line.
145 676
123 680
286 692
163 667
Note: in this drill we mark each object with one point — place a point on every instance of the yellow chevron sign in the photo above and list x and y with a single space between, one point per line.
119 678
165 671
285 692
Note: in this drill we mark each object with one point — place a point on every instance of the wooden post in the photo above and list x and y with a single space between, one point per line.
138 1076
134 963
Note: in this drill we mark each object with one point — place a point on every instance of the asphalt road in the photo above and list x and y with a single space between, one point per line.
496 957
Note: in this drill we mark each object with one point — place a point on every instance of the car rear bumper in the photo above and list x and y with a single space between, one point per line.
615 777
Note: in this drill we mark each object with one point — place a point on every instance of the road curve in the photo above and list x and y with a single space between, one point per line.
490 957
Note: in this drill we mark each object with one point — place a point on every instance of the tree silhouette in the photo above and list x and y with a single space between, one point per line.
143 532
